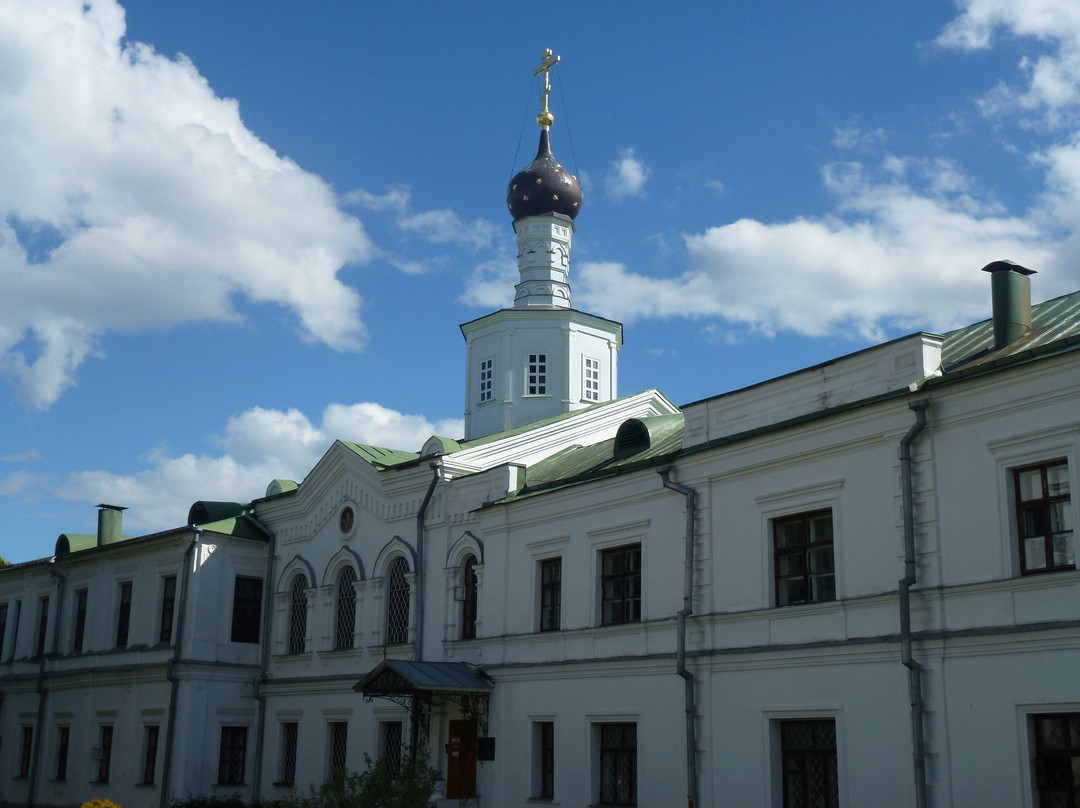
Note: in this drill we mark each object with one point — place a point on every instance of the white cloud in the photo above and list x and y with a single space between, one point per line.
259 445
1051 80
890 256
491 284
441 226
627 176
132 197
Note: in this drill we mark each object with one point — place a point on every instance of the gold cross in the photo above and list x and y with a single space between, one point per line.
545 118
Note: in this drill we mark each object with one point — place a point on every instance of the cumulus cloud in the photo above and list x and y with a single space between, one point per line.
133 197
1051 81
440 226
258 445
627 176
891 256
901 245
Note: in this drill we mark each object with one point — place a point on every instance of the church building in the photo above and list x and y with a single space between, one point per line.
851 585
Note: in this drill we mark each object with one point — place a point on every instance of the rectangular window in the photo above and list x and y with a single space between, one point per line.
43 625
168 606
123 615
544 760
808 763
247 609
231 756
487 374
536 375
550 594
803 558
1057 759
390 743
63 737
15 628
80 619
1044 518
150 744
618 764
104 754
290 732
621 585
590 389
339 747
3 627
26 751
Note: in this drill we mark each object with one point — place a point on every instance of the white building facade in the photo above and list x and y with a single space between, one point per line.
852 585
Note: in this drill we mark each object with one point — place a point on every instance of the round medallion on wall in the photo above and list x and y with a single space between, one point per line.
346 520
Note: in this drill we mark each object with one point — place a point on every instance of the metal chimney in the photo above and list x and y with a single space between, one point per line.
109 520
1010 288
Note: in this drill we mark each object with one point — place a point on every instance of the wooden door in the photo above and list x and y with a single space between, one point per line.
461 760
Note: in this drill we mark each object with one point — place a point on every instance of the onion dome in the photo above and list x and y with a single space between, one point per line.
543 186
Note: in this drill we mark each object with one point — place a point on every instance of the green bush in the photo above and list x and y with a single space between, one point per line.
377 786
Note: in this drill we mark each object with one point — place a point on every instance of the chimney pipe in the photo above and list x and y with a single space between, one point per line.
1010 289
109 520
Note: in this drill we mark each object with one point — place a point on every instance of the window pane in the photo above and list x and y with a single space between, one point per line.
1035 553
1030 484
1057 480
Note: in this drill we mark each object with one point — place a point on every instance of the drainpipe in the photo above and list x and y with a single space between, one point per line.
686 611
920 408
264 663
43 693
420 514
170 669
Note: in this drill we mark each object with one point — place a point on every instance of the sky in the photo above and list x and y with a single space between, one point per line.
231 233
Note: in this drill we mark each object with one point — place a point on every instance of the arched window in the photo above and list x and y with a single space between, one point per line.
298 615
397 603
468 604
346 609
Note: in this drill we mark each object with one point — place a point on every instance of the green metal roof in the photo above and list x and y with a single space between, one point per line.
381 458
1051 321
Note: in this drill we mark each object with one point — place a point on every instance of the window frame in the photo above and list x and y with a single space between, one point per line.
105 744
789 755
1043 506
151 737
63 748
337 748
610 754
246 623
806 550
628 604
290 742
550 602
345 609
1041 757
391 743
398 601
537 368
82 600
168 608
590 379
232 755
26 751
543 785
43 625
298 606
470 582
487 380
123 614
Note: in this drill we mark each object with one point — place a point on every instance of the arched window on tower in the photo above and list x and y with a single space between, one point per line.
468 603
298 615
346 609
397 603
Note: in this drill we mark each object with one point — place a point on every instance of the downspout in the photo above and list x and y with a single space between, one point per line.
264 663
920 408
420 514
414 728
686 611
43 693
170 670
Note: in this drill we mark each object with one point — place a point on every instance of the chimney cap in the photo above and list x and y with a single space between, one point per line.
1007 266
111 507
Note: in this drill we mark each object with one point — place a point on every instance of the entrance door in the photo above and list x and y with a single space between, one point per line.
461 760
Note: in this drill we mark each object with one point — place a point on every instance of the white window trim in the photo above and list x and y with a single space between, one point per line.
774 774
792 502
585 378
490 361
547 375
1030 449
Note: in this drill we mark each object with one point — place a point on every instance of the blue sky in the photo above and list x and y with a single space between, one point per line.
233 232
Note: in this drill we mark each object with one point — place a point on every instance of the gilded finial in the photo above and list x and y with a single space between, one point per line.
545 118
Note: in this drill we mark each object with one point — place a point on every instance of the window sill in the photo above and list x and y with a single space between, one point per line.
283 784
1048 570
144 785
536 395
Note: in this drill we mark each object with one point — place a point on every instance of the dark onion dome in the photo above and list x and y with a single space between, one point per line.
543 186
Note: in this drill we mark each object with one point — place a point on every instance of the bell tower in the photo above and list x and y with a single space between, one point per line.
542 357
